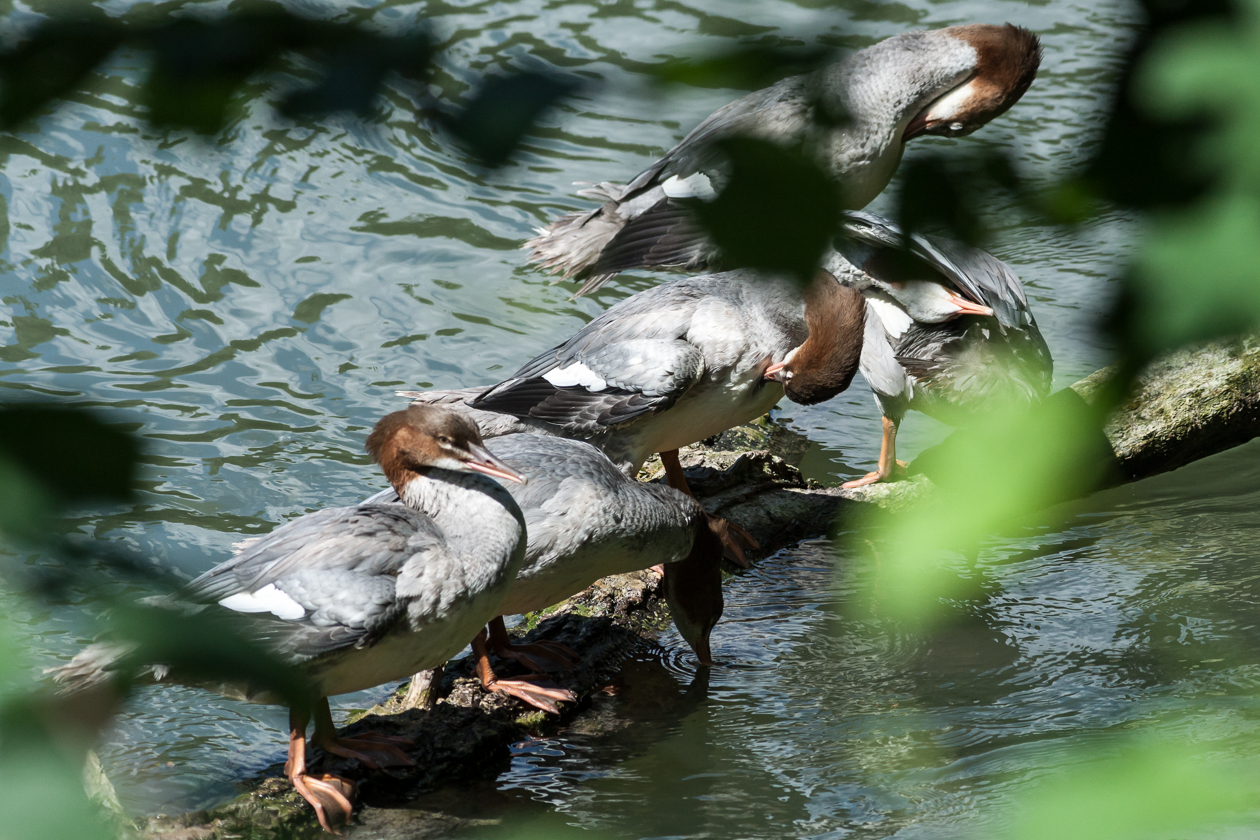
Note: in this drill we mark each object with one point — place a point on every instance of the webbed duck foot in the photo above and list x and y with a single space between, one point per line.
534 690
540 657
373 752
372 749
877 476
330 796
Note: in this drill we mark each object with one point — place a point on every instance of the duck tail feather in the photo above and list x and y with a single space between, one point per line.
96 665
571 244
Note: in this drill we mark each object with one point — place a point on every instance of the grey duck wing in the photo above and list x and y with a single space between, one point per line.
324 581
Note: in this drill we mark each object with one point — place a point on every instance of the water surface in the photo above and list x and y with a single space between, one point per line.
251 301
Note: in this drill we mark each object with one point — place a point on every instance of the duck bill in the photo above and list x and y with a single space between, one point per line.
486 464
966 307
774 373
701 649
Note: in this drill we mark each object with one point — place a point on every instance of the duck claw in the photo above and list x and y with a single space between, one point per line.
875 477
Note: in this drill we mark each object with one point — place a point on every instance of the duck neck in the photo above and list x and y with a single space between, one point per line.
693 588
824 364
476 514
887 84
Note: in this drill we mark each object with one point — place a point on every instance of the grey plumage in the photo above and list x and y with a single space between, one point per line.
585 519
695 347
339 564
948 370
853 113
408 585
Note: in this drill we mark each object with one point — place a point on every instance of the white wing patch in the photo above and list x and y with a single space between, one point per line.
696 185
895 319
268 599
575 374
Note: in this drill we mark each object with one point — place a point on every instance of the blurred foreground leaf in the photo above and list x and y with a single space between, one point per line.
70 451
54 61
353 70
200 65
1182 144
1149 156
746 68
1164 789
43 795
777 212
504 109
989 477
205 648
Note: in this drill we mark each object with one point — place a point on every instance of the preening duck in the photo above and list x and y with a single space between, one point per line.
860 112
948 328
680 362
363 595
586 520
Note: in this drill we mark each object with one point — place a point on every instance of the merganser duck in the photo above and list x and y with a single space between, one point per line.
948 328
586 520
859 112
680 362
363 595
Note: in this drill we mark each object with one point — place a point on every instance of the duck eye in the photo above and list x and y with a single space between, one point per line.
444 439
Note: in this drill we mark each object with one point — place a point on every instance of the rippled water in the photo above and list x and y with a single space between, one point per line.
251 301
1134 612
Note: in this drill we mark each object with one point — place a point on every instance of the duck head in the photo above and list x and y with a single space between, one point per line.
824 364
1007 58
693 588
933 303
410 442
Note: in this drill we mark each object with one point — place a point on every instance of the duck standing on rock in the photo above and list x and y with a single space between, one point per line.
677 363
949 331
858 113
586 520
368 594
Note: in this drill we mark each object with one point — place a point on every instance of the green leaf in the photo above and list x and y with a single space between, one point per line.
199 66
353 70
777 212
504 110
1007 464
70 452
934 196
1150 789
1198 274
54 60
206 648
746 68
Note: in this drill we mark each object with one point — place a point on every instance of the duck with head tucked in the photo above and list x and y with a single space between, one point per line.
859 113
949 331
